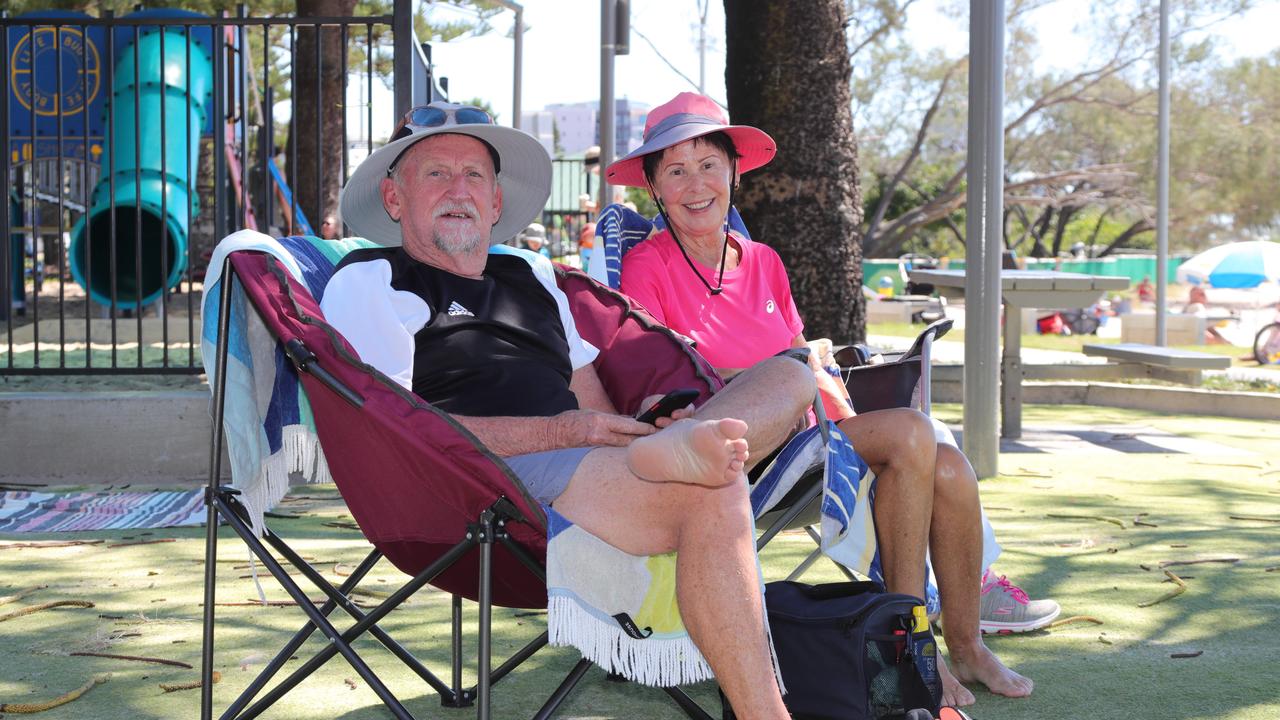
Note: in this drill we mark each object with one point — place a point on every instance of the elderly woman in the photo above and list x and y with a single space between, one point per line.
731 295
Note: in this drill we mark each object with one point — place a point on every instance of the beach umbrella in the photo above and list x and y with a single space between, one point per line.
1234 265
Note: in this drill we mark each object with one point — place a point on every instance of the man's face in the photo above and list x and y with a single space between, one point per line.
445 195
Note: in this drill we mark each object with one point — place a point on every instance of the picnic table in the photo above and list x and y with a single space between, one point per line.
1048 289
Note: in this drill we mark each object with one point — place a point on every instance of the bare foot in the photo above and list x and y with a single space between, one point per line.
953 693
708 453
979 664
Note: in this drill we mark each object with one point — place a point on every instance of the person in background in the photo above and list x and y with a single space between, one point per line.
1146 291
330 228
534 238
586 244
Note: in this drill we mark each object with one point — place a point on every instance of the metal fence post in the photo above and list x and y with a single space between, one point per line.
402 64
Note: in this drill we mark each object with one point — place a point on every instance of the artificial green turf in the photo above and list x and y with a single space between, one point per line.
149 598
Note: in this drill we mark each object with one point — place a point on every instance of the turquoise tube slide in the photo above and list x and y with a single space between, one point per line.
154 191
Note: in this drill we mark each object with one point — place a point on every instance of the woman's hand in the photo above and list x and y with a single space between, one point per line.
590 428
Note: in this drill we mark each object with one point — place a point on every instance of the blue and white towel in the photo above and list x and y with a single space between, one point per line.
269 428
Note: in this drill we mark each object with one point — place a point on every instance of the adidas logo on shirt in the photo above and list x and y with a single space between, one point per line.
456 309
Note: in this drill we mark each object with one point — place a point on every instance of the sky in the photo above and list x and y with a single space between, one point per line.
562 51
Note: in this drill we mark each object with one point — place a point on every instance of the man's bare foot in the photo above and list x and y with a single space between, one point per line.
978 664
710 453
953 693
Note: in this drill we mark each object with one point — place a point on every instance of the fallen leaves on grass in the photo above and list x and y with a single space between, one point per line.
49 544
22 708
1180 587
1103 639
45 606
1137 520
342 525
174 687
142 542
1074 619
134 658
1171 563
1101 518
20 594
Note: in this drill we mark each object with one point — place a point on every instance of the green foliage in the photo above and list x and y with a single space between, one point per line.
644 204
1080 143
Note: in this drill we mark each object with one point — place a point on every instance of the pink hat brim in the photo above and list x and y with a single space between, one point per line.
754 146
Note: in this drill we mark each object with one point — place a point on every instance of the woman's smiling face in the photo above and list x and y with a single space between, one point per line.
692 181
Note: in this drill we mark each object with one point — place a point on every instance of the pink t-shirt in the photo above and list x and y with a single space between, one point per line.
753 318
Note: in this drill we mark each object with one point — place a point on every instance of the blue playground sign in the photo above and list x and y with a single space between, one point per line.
56 74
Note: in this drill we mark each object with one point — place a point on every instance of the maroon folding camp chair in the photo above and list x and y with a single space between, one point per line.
426 494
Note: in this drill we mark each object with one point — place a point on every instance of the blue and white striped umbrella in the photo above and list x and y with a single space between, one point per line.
1234 265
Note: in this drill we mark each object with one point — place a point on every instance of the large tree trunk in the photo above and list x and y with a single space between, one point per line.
319 102
787 73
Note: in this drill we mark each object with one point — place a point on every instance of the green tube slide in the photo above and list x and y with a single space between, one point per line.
153 172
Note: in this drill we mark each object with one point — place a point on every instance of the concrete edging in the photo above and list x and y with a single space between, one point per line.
1156 398
100 437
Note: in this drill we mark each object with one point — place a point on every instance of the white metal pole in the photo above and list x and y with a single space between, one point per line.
608 48
983 227
1162 184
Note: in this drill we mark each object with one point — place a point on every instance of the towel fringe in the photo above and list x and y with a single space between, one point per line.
299 452
656 662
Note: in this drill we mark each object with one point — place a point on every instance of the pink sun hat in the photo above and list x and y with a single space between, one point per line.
684 117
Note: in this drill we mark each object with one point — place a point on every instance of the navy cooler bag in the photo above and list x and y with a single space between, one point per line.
850 651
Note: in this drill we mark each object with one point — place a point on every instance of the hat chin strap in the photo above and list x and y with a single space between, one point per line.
724 247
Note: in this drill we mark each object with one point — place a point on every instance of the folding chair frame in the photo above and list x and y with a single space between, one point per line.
481 535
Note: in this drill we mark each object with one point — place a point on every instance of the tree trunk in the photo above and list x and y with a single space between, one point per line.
787 73
316 140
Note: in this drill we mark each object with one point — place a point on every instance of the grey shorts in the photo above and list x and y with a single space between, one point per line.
546 474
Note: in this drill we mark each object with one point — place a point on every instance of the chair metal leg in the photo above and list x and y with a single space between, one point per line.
341 599
215 478
460 697
566 686
485 531
805 564
210 581
686 703
817 539
798 507
338 643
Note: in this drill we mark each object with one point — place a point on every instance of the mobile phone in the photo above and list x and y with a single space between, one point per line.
669 403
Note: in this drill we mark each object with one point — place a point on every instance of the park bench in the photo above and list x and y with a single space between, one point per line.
1161 363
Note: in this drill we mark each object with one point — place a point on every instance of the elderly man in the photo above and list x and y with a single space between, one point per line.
480 330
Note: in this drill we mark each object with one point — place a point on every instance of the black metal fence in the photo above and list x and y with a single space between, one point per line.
143 141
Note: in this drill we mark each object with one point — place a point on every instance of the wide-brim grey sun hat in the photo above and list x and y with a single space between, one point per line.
685 117
524 176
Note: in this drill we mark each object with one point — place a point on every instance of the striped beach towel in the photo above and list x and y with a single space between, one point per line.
81 511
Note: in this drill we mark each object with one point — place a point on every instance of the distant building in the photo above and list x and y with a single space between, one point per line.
541 125
578 126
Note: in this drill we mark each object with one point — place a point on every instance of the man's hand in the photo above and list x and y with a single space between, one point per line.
589 428
681 414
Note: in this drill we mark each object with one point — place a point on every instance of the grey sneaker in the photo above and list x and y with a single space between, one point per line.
1004 608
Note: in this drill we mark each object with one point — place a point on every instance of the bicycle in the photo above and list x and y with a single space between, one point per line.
1266 345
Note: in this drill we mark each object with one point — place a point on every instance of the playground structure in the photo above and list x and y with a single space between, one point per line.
134 143
162 90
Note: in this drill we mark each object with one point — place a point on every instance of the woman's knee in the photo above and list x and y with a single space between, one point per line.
955 480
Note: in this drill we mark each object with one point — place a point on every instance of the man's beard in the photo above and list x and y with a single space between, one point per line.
466 240
457 246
